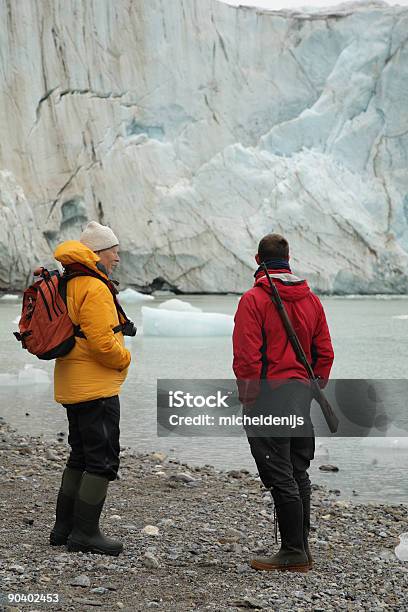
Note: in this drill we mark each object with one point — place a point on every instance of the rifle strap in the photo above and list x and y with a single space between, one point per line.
293 339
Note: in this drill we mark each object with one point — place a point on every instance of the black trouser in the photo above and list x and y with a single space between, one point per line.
283 462
94 436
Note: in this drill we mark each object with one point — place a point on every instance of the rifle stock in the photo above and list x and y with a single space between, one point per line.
328 412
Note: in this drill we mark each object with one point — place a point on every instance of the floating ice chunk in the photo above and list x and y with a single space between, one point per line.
8 380
178 323
179 305
9 297
402 549
374 296
130 339
26 377
402 317
33 376
130 296
162 292
383 443
400 443
321 452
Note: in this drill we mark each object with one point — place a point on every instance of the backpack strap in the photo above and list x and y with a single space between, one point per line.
80 334
78 269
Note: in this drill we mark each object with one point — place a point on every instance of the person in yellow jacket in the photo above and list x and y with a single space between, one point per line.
87 382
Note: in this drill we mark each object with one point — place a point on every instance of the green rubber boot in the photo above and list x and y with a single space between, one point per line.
86 535
291 556
65 506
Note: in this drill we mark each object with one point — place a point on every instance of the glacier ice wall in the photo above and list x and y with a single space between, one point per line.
193 128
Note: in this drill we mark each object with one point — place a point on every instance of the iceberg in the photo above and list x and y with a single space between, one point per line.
179 305
163 293
386 443
176 323
395 440
129 340
131 296
9 297
26 377
321 452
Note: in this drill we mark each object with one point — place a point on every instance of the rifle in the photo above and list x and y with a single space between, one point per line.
328 412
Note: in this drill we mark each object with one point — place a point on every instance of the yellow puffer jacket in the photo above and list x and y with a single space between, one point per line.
97 365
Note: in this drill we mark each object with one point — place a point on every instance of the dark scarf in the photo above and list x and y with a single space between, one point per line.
79 269
275 264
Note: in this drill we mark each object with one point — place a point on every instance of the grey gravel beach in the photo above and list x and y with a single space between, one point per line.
188 534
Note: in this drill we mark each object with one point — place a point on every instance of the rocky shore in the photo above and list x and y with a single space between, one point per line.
188 535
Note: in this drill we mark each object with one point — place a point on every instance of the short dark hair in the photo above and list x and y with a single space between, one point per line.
273 246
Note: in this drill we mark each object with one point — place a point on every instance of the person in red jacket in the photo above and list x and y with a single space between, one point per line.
262 350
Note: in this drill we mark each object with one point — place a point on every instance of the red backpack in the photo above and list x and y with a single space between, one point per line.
45 328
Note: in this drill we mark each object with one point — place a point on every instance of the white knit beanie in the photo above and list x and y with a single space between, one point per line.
98 237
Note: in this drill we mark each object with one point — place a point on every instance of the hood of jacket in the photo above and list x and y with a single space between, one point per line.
73 251
291 288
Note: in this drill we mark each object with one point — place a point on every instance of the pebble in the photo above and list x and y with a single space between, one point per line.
87 602
248 602
51 456
17 569
328 468
173 553
181 477
166 522
150 561
151 530
62 558
157 456
235 474
130 527
82 581
100 590
25 450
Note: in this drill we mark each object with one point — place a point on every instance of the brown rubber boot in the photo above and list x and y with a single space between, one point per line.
291 556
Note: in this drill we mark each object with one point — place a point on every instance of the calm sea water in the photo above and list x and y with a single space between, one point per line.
369 342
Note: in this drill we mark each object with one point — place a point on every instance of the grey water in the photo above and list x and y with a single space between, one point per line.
369 342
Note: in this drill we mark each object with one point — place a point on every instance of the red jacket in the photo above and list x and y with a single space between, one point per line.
259 329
